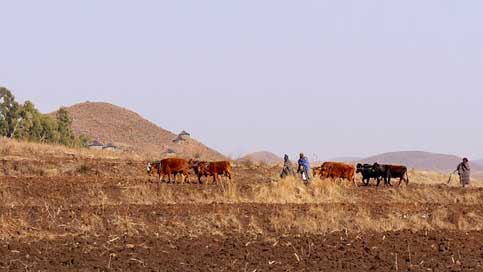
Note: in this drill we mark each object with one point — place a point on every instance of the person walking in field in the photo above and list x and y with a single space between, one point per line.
304 168
464 172
287 168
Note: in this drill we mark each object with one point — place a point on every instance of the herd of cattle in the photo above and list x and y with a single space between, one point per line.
378 172
175 166
332 170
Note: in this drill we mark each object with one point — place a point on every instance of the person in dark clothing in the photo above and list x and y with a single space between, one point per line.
304 168
287 168
464 172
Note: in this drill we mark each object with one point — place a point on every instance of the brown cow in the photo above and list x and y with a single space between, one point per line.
195 165
316 171
338 170
392 171
213 169
153 168
171 166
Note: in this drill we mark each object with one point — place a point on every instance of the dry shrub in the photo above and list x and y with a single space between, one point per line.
247 163
436 178
83 169
5 150
323 219
434 194
231 194
147 194
128 225
294 191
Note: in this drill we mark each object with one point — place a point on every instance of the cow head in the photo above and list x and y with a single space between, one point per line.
193 163
316 171
378 168
200 167
151 168
324 171
359 168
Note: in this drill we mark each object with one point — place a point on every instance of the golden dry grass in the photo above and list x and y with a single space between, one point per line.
18 150
252 206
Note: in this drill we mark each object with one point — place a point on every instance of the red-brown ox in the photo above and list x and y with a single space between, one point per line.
213 169
171 166
316 171
153 168
338 170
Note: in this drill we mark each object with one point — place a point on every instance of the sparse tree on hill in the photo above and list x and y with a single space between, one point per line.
25 122
9 113
64 124
29 125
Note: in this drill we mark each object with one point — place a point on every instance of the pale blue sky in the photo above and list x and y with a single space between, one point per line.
330 78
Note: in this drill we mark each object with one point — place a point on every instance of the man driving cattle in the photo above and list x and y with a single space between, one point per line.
464 172
304 168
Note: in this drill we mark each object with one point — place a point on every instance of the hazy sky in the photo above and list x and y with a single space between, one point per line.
330 78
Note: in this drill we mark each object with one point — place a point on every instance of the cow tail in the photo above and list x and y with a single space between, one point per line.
407 176
159 170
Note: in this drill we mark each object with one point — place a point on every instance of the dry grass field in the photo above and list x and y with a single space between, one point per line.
79 210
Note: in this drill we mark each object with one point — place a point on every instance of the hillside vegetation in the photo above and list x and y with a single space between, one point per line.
25 122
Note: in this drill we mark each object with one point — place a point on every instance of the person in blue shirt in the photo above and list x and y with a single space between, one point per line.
304 168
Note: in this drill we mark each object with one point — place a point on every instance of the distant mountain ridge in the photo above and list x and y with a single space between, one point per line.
110 123
420 160
346 159
479 162
262 157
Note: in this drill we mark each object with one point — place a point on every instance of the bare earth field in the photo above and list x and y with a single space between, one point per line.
87 214
126 224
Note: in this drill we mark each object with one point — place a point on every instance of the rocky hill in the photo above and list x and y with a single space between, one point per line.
345 159
479 162
262 157
124 128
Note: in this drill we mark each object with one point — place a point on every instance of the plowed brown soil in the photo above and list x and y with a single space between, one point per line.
135 223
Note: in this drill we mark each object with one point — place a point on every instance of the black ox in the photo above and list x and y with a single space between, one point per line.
368 171
382 171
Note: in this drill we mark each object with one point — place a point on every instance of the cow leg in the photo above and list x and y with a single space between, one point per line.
187 176
378 182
